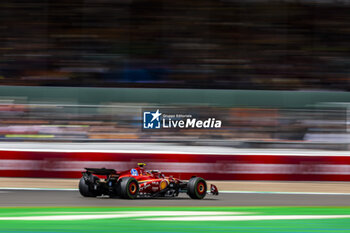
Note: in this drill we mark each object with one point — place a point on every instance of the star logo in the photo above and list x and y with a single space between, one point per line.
151 120
156 115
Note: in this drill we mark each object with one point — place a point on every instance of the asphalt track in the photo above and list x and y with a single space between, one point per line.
10 198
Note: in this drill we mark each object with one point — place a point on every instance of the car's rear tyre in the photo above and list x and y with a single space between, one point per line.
129 188
197 188
84 188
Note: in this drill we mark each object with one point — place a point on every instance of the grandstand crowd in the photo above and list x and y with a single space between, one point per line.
221 44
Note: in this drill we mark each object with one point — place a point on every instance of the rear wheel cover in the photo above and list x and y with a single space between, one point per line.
85 190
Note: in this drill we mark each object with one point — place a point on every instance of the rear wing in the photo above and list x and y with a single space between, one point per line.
100 171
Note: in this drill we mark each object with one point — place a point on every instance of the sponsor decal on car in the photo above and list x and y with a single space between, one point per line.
134 172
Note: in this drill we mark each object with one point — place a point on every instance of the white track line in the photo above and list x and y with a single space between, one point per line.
228 192
289 193
175 216
128 214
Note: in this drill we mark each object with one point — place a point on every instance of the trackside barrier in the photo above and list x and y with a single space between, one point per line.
208 166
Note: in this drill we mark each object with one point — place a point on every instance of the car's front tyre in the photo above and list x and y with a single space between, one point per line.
197 188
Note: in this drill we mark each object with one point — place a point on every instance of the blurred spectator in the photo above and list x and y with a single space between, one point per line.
120 122
185 44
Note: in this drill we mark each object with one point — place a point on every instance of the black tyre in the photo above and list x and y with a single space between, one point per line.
129 188
84 188
197 188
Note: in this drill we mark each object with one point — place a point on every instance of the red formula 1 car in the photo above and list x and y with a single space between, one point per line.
137 182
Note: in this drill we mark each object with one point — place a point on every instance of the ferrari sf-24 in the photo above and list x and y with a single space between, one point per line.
138 182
